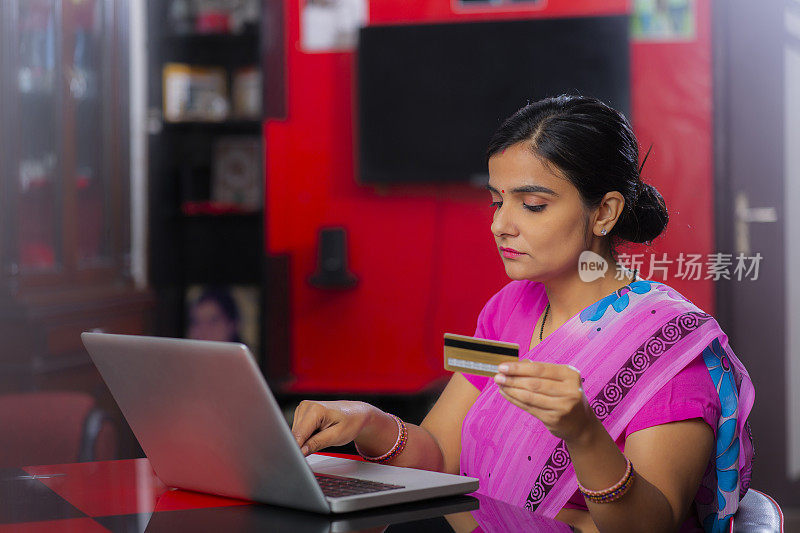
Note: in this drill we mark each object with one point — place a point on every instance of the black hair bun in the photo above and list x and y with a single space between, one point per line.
645 218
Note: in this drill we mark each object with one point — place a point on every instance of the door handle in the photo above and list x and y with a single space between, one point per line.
744 215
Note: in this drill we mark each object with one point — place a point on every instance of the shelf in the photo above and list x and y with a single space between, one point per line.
194 240
216 209
212 38
232 126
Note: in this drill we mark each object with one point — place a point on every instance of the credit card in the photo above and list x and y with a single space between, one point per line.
473 355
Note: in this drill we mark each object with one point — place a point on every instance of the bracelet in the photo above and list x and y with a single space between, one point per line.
399 445
612 493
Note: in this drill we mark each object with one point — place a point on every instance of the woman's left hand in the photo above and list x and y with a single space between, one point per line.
550 392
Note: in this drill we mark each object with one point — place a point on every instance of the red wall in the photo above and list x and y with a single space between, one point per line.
425 256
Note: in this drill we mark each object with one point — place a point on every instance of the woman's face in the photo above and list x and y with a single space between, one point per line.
209 322
537 213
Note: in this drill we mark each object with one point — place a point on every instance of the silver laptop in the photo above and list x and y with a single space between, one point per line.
208 422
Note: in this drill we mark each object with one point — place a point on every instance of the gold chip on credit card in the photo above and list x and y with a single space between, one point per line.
473 355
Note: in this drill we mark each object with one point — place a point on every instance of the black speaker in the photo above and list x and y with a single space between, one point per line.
332 272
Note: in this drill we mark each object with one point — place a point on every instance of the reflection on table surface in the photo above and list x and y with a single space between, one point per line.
126 496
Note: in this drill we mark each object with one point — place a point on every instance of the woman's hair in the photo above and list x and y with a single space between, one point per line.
222 297
593 145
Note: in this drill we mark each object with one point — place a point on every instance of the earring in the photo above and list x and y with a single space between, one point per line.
603 231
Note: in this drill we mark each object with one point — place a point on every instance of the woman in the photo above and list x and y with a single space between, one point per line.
628 409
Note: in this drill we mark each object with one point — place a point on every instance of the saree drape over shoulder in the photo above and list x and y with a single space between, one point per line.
626 346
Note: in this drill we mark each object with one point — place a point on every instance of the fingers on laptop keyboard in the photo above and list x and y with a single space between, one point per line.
309 416
319 424
323 439
301 427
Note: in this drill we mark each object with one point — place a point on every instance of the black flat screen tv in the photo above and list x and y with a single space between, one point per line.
429 96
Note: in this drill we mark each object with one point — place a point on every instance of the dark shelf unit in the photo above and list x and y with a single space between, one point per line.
197 249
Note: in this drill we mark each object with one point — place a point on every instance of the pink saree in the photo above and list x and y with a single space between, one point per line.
626 346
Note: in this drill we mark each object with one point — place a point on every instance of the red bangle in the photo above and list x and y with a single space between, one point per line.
612 493
402 438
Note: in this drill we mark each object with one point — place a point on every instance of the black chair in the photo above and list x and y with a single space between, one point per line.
758 513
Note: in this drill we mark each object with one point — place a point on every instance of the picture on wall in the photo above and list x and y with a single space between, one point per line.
331 25
663 20
237 171
227 313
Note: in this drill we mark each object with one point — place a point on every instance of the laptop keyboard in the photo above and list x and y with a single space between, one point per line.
338 486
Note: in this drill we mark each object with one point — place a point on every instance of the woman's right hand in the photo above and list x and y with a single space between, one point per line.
317 424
